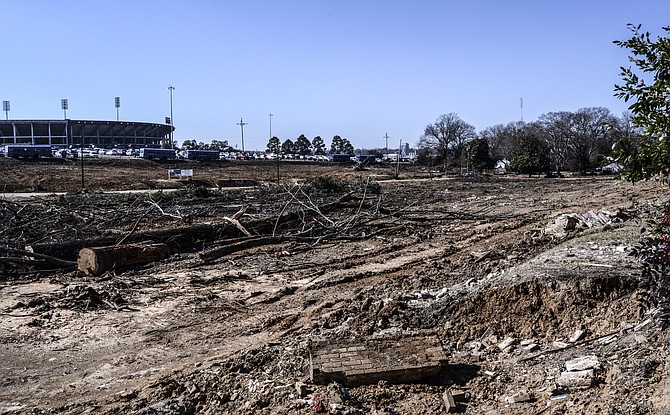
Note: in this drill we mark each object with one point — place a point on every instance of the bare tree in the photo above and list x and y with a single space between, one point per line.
592 136
502 138
557 131
447 136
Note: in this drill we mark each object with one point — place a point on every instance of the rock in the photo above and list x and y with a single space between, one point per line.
582 363
582 378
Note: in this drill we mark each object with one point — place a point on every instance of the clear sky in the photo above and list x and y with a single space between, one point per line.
355 68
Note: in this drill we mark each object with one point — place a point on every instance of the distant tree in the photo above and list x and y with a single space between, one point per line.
336 145
318 145
502 138
648 89
287 147
558 132
347 147
426 157
274 145
531 155
189 145
447 136
479 158
592 137
302 145
221 145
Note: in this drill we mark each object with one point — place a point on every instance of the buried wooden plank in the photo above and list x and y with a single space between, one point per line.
394 359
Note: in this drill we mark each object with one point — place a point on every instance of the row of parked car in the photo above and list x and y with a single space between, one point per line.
93 152
270 156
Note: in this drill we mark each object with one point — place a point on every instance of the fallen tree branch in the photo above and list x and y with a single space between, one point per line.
235 220
240 245
46 258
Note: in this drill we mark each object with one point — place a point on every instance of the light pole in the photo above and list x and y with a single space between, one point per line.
171 88
270 115
5 108
64 106
386 136
117 104
242 124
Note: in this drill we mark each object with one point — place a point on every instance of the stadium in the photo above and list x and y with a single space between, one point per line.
73 133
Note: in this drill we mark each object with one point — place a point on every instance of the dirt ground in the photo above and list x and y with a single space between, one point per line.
472 260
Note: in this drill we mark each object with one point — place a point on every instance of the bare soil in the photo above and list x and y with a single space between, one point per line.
474 260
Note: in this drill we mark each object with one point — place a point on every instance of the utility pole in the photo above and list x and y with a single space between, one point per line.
242 124
270 115
521 109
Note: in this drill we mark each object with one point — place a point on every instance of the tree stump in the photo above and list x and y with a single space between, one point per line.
98 260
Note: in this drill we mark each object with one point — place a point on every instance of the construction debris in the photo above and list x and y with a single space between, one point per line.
393 359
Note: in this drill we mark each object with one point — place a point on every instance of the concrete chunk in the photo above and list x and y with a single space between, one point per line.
508 342
449 402
582 378
582 363
521 397
577 336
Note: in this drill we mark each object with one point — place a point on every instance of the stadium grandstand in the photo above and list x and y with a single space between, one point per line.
73 133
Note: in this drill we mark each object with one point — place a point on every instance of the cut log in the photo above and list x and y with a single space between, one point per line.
98 260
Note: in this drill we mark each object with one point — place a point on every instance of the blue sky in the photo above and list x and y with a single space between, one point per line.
358 69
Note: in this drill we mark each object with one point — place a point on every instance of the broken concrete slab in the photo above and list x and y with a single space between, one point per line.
394 359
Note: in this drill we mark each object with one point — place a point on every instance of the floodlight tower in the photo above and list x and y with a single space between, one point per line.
242 124
64 107
5 108
117 104
171 88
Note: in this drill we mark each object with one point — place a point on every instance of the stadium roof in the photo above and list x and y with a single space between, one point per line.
68 132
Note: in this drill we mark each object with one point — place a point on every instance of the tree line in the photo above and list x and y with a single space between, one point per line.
557 141
302 146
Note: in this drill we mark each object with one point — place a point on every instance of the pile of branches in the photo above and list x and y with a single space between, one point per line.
46 235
